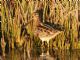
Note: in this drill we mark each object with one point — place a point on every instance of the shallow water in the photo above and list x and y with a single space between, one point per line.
35 55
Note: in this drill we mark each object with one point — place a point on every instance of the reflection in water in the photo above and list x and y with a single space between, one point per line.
35 55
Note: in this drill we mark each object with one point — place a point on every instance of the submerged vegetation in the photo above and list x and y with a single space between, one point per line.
20 19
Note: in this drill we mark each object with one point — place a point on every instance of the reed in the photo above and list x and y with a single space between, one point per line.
16 14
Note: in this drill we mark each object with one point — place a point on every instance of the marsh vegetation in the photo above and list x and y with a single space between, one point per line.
22 21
